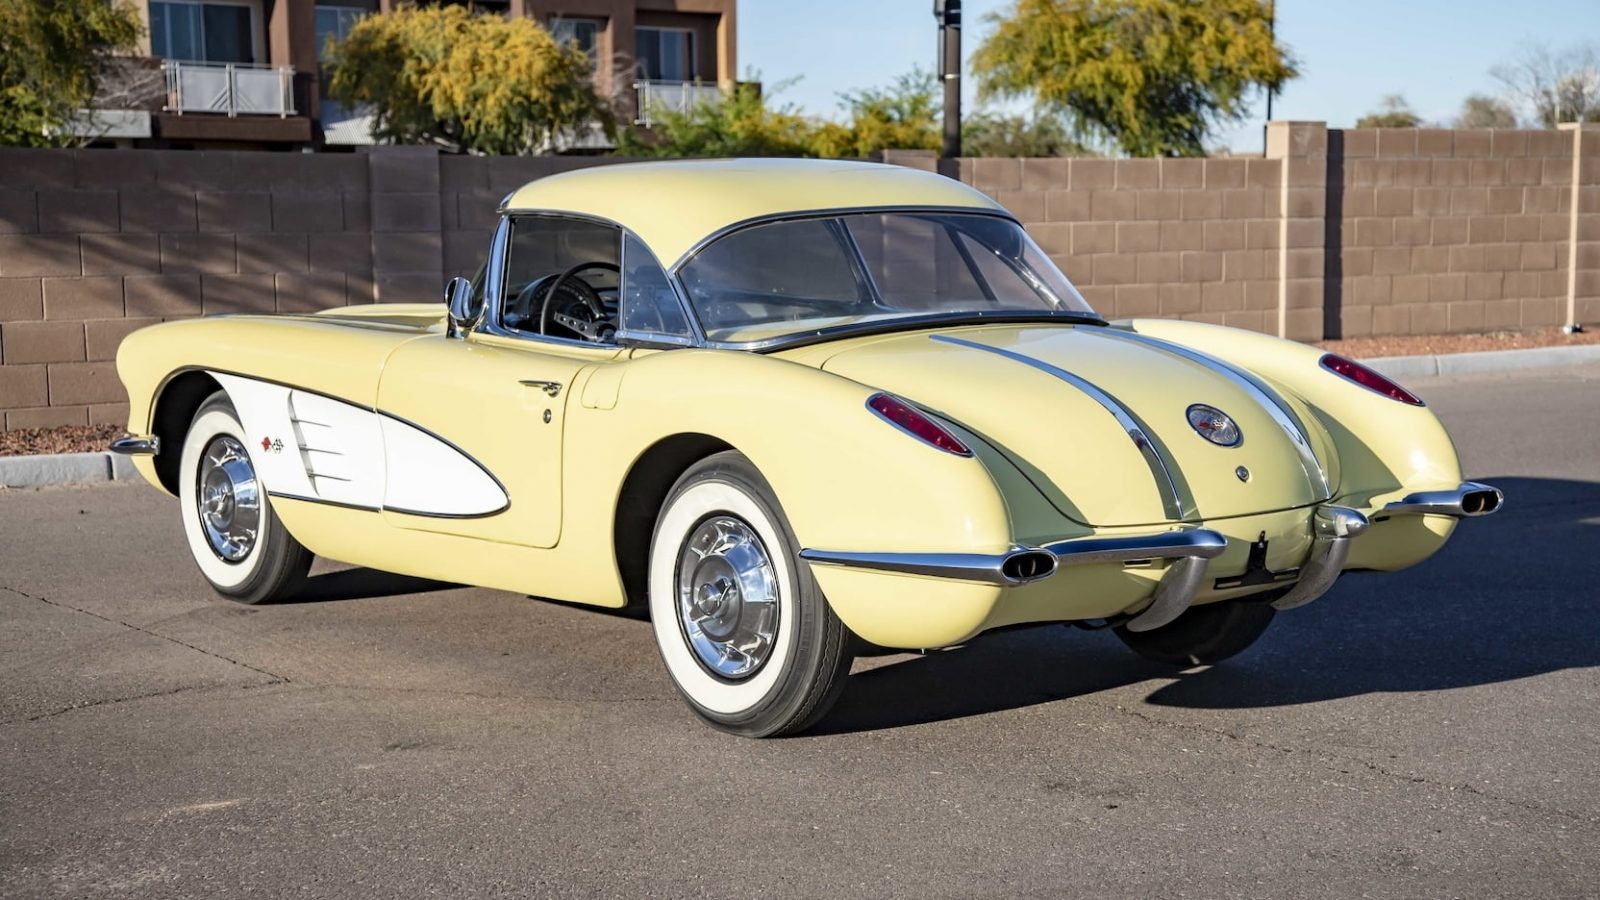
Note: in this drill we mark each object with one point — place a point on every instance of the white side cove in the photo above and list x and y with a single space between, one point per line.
312 447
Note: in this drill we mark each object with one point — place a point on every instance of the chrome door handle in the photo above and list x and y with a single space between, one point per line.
549 387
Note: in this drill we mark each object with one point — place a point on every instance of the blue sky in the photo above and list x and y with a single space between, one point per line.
1351 52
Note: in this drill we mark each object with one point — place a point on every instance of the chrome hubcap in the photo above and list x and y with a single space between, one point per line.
229 499
727 597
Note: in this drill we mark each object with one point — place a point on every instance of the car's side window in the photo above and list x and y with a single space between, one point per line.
561 278
649 304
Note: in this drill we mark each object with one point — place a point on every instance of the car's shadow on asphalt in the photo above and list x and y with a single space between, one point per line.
362 584
1510 596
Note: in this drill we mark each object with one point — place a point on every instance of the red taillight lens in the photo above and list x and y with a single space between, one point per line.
919 426
1367 378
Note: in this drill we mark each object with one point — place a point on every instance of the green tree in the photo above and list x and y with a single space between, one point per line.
53 54
476 83
993 134
1154 76
1478 111
741 123
1393 112
904 116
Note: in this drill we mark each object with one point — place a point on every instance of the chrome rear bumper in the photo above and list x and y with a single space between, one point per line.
137 445
1332 528
1191 549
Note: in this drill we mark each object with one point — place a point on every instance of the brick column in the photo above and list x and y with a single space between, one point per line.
1302 205
1583 233
407 237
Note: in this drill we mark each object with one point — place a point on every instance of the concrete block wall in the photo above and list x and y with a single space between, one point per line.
1331 234
1183 238
1460 231
95 244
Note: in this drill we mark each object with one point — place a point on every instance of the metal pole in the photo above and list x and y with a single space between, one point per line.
948 12
1272 32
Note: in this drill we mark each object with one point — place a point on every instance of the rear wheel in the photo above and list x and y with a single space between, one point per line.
746 635
233 534
1203 634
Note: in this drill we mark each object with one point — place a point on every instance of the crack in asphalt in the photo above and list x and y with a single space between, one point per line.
1328 759
155 634
476 695
110 701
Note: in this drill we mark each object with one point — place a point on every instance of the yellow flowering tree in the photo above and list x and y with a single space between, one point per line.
54 54
475 83
1153 76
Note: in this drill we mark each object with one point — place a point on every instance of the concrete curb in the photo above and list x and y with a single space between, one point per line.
65 468
77 468
1484 362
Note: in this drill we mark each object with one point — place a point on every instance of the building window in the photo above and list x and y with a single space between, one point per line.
333 23
202 32
666 54
581 33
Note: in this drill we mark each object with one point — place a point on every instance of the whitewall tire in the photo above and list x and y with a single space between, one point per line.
746 636
239 544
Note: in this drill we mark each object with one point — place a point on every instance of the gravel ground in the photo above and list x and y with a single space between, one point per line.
88 439
67 439
1436 344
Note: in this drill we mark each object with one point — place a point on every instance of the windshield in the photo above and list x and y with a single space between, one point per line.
786 277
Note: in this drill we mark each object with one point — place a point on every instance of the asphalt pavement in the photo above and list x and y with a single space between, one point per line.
1433 733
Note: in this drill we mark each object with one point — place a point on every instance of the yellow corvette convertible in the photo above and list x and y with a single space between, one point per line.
790 408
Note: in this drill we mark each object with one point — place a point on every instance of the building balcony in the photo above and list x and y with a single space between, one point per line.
658 97
233 89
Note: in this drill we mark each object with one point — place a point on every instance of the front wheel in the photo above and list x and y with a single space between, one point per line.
237 541
746 635
1204 635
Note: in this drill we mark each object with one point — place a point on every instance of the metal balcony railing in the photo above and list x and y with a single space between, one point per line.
232 88
656 97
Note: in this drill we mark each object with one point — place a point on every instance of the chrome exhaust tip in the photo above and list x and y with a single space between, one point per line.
1469 501
1026 566
1480 502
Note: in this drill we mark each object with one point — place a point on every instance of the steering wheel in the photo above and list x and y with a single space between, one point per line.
579 311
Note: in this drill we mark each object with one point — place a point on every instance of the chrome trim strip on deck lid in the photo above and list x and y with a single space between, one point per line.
1160 470
1267 398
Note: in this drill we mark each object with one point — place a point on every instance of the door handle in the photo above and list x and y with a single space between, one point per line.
549 387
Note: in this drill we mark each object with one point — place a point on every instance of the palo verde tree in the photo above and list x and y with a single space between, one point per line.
1152 76
1393 112
904 116
1479 111
740 123
53 54
1001 134
474 83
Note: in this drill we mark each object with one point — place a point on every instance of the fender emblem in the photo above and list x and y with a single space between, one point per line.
270 444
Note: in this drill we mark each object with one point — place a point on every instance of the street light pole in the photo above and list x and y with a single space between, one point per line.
948 12
1272 33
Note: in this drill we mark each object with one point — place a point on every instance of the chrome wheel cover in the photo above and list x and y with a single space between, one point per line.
727 597
228 499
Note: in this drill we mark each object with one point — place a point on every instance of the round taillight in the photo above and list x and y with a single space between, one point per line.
1350 370
906 418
